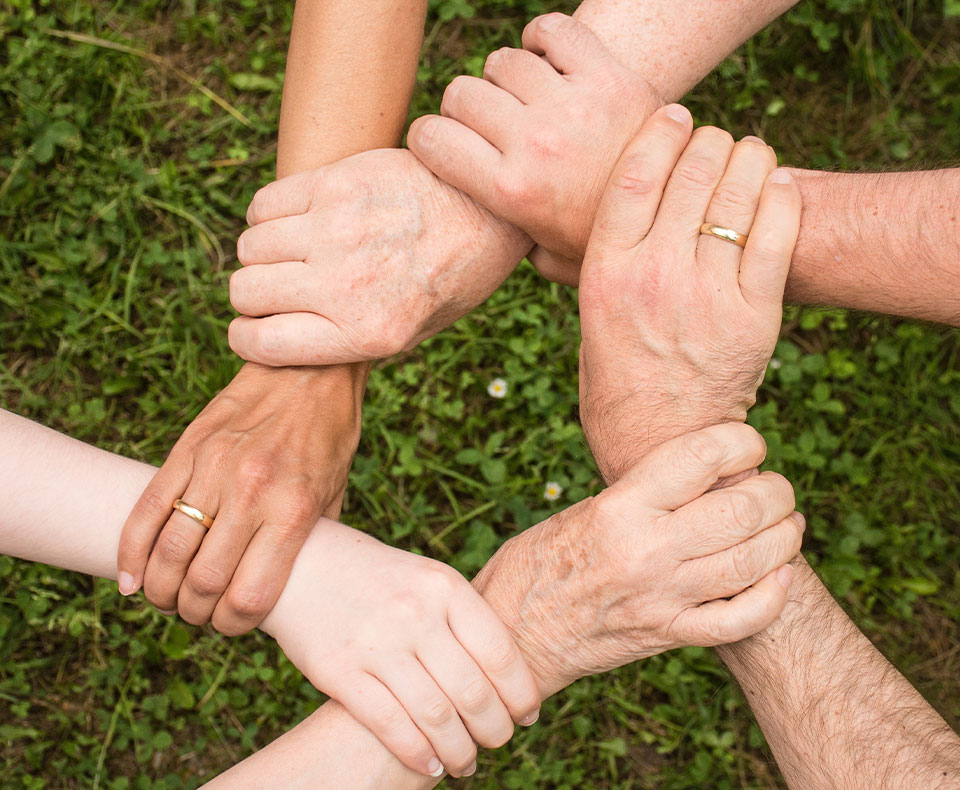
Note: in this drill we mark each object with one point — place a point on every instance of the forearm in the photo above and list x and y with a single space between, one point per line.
675 45
65 506
841 716
883 242
350 74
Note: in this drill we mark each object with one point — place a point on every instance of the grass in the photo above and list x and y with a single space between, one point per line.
124 175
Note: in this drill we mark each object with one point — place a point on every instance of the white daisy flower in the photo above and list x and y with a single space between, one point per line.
552 491
497 388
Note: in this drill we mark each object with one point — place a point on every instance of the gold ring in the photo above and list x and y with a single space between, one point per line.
727 234
195 513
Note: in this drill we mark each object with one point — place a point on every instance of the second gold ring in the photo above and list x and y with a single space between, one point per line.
195 513
726 234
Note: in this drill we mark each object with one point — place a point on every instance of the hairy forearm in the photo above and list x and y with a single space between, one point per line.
883 242
350 74
675 45
836 713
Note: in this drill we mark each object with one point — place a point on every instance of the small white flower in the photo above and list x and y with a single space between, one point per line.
497 388
776 364
552 491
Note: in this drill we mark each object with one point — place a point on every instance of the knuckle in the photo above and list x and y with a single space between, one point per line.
744 561
155 503
703 448
734 199
500 656
698 171
174 547
390 718
250 603
207 581
745 510
632 180
475 696
437 713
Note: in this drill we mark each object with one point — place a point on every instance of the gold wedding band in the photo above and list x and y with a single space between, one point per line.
727 234
195 513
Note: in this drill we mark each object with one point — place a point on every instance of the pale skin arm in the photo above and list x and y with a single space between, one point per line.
713 577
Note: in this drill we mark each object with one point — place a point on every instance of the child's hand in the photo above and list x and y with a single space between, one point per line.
535 140
678 325
406 645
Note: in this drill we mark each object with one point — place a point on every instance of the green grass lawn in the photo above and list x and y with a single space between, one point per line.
124 177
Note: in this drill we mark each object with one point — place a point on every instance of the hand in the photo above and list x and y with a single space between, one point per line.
362 259
407 646
266 457
648 565
678 327
535 140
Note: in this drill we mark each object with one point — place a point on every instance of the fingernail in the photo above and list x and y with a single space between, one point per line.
167 612
785 576
801 521
240 246
678 113
435 767
471 770
781 176
530 719
126 583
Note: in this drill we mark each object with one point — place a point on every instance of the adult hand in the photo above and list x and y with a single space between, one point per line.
678 327
656 561
266 457
534 141
362 259
407 646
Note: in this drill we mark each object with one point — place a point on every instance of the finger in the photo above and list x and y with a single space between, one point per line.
215 563
481 106
178 543
633 194
292 339
734 205
721 622
480 708
272 288
432 712
286 197
376 708
147 519
260 577
565 271
284 239
522 74
680 470
567 44
766 259
459 156
722 518
488 642
692 184
730 572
